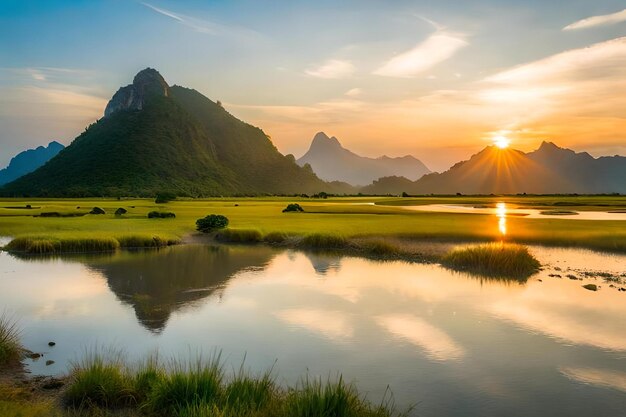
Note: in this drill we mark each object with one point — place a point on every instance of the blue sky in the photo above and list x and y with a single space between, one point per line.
396 77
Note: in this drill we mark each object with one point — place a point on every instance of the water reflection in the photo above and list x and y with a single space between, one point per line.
432 335
156 284
501 215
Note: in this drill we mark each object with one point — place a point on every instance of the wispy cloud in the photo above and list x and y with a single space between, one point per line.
205 26
333 68
438 47
354 92
602 20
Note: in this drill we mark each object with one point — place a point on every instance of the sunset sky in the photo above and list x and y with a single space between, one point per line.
439 80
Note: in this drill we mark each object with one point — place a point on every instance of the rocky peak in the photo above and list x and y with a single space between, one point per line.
322 141
147 83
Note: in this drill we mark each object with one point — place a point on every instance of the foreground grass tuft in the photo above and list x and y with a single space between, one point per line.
10 346
199 388
503 260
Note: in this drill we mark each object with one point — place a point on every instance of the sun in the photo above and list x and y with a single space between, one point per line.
501 142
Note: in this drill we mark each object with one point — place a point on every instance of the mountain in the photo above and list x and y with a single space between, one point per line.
28 161
547 170
154 138
332 162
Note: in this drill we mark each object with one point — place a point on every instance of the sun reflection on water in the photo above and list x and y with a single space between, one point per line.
501 215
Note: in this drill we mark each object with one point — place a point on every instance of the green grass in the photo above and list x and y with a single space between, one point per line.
239 236
500 260
10 347
323 241
334 216
201 388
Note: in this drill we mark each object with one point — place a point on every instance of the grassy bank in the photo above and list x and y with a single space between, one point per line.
52 245
349 218
202 388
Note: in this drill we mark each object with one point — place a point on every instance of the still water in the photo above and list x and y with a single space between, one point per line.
451 343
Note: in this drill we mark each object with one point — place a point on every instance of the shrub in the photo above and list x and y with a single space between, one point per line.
161 215
239 236
211 223
164 197
493 259
97 210
294 207
50 214
120 211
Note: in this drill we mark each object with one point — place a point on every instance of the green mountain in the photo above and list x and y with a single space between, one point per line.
155 138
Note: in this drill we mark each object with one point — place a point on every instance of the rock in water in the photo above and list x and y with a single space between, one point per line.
147 83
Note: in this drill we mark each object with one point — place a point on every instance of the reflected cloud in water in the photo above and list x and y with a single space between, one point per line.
437 345
598 377
333 325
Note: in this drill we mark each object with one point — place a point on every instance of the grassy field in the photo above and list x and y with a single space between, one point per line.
345 217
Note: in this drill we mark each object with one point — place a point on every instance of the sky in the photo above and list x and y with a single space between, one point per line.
436 79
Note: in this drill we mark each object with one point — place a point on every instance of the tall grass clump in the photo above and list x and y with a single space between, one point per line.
38 245
504 260
323 241
379 248
10 346
100 379
275 238
331 399
136 241
239 236
190 385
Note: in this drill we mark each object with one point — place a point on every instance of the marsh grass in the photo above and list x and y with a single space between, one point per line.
323 241
10 346
102 382
239 236
100 379
499 260
43 245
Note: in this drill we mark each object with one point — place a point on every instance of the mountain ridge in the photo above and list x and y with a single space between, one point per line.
549 169
29 160
154 137
331 161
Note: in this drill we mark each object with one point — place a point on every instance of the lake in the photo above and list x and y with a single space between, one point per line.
451 343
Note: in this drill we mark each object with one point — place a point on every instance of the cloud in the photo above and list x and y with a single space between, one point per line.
598 377
333 325
354 92
598 61
206 26
438 47
437 345
333 69
603 20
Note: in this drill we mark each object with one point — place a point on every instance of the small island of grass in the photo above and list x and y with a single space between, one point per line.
502 260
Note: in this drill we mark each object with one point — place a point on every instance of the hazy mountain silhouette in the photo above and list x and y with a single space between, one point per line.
28 161
548 170
154 138
332 162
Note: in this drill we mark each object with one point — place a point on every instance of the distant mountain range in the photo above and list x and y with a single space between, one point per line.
547 170
154 138
28 161
332 162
